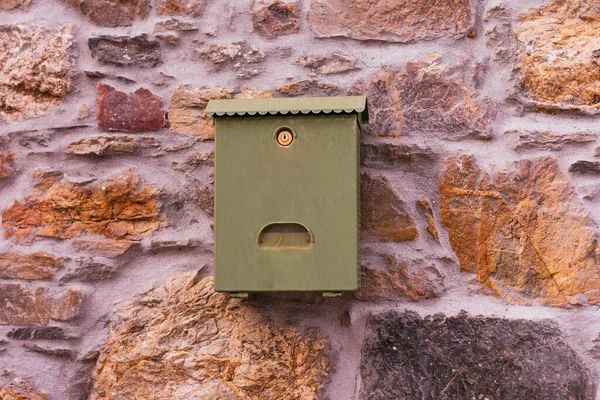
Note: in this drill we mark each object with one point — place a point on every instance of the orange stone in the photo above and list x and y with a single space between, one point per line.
523 231
119 208
37 265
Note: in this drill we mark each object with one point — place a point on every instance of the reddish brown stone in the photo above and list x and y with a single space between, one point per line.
392 21
523 231
113 13
7 163
276 19
103 248
308 88
415 280
30 305
121 208
384 216
137 112
180 7
425 208
426 98
37 265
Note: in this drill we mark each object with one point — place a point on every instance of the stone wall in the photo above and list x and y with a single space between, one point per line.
480 200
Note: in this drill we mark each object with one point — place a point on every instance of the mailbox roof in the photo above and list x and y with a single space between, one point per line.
305 105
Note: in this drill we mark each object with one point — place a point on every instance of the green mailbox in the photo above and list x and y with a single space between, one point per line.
287 194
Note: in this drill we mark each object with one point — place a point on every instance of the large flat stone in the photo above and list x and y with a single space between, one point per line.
460 357
184 341
522 230
391 21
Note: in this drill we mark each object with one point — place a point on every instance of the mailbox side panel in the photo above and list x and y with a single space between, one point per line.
313 182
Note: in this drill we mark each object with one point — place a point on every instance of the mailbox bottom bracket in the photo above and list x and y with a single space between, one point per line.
244 295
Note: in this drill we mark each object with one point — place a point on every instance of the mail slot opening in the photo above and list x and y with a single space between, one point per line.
286 235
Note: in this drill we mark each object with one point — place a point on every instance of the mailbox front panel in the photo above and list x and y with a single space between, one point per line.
287 217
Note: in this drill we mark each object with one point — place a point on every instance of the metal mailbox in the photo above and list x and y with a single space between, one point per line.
287 193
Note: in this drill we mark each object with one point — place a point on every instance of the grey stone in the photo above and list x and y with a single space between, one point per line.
462 357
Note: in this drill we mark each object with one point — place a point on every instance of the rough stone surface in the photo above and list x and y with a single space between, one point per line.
223 348
37 69
110 145
308 88
585 167
276 19
37 265
113 13
500 37
558 55
161 244
196 160
426 210
125 51
30 305
193 8
220 53
441 357
7 164
186 115
523 231
425 98
441 76
389 156
335 63
122 208
6 5
47 351
136 112
233 54
205 198
39 333
103 248
384 215
549 140
174 24
19 390
396 21
89 270
397 280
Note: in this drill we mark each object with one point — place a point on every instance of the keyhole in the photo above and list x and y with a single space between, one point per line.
284 138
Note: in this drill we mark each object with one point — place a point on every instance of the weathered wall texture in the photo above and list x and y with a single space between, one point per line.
480 200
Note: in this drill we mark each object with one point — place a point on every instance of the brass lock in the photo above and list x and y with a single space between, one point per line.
285 137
